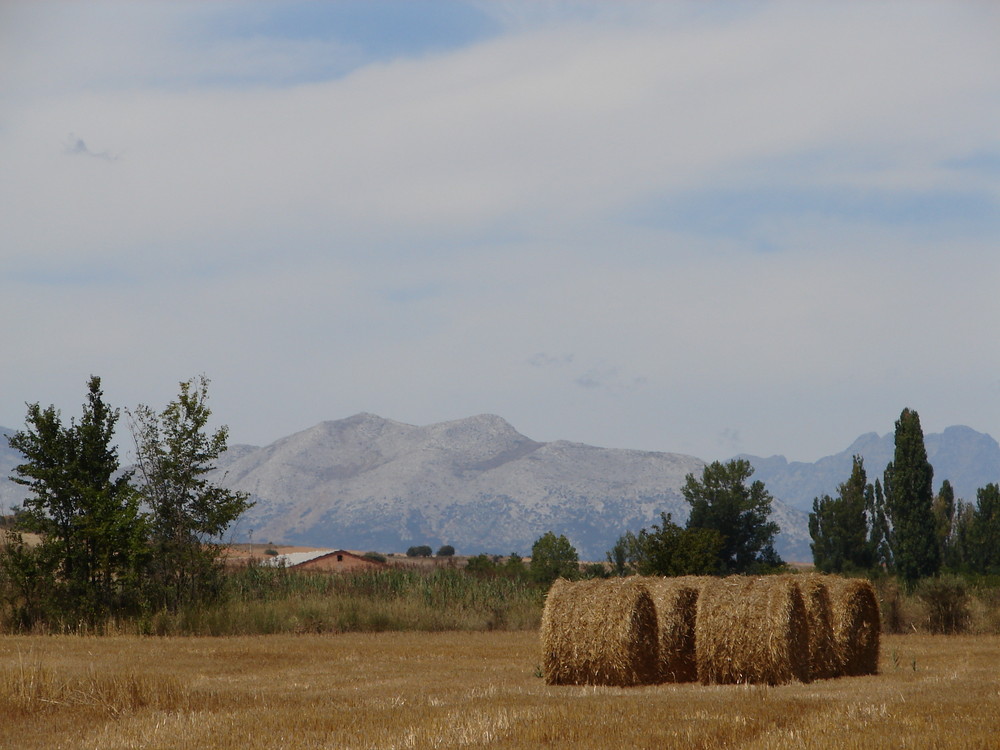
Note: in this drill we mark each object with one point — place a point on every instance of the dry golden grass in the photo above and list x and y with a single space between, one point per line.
453 690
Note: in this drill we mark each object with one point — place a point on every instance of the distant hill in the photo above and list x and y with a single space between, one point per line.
370 483
10 494
966 458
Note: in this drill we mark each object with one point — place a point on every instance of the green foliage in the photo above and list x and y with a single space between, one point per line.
668 550
86 512
174 453
514 568
723 502
841 527
909 495
375 557
974 545
553 557
446 550
481 565
421 550
625 555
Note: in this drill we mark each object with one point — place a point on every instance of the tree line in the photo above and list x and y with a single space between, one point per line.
899 525
116 541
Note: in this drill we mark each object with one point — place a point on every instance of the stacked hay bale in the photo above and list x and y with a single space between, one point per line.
824 661
752 630
676 601
600 632
856 624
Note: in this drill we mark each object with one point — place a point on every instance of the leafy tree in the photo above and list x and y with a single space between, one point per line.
668 550
878 530
908 502
839 526
943 508
85 511
962 554
722 501
187 512
481 564
625 555
514 567
446 550
553 557
421 550
986 530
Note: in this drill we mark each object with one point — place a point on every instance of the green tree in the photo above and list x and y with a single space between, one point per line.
419 550
187 511
723 501
481 564
669 550
553 557
878 530
85 511
446 550
625 555
986 530
943 508
908 502
514 567
839 526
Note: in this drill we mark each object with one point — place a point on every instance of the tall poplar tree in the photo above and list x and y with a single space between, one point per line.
909 497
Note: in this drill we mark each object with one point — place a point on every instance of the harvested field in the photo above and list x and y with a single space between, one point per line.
752 631
465 690
599 632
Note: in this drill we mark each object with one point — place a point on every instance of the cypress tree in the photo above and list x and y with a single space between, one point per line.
909 497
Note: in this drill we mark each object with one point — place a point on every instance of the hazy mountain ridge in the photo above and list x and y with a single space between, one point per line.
967 458
476 483
372 483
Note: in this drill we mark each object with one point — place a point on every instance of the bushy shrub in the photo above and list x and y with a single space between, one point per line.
946 600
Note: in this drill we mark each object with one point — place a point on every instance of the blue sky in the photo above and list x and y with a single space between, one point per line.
680 226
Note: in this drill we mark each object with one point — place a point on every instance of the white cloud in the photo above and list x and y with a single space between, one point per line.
411 237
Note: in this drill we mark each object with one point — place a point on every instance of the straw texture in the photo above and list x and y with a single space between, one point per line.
676 601
600 632
856 624
752 630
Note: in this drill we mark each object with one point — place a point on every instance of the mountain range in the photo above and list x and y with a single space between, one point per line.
966 458
371 483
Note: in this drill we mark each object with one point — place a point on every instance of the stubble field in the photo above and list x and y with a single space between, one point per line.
452 690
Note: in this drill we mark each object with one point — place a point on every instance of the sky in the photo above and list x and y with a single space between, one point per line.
703 228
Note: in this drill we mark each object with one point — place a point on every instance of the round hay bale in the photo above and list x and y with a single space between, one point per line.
856 624
676 601
751 630
823 659
599 632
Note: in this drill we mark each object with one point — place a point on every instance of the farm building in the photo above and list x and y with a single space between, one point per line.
338 560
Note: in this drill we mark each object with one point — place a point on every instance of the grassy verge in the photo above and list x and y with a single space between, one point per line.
264 601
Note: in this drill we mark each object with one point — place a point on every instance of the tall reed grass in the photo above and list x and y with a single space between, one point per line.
261 601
